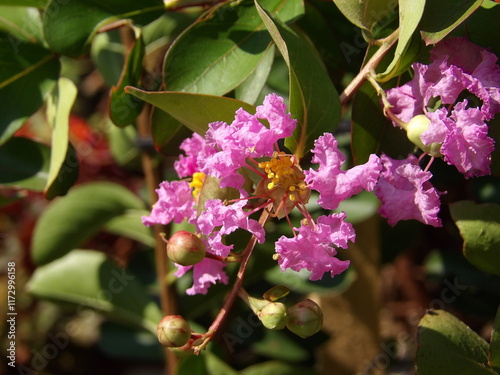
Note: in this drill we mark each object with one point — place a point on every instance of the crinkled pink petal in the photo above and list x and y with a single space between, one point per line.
408 100
406 193
187 165
335 185
274 111
312 247
467 145
227 219
175 203
206 273
439 127
246 137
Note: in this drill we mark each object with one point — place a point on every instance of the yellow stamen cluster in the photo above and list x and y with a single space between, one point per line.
282 173
197 183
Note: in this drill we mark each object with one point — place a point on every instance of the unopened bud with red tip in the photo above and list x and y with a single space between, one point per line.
414 130
273 315
173 331
305 318
185 248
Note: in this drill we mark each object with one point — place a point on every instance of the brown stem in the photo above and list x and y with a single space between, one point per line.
356 83
168 298
245 257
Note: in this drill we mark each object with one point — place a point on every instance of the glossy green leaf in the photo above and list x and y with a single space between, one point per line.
479 226
410 13
168 133
58 110
314 102
70 28
25 3
442 16
494 357
108 54
86 278
24 164
448 346
130 225
277 368
229 42
22 24
124 108
72 219
26 69
195 111
364 14
250 89
123 146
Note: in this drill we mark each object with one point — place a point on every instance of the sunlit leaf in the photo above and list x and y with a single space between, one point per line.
195 111
494 357
364 14
229 42
22 24
86 278
130 225
448 346
58 110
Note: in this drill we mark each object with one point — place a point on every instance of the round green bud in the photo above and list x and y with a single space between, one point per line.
185 248
414 130
273 315
305 318
173 331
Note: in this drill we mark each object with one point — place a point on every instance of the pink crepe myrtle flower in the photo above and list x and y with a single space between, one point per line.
457 67
312 247
333 184
406 192
245 157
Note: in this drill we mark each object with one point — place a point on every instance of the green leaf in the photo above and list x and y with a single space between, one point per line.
494 358
22 24
372 132
479 226
58 110
410 13
130 225
195 111
364 14
25 3
230 42
277 368
24 164
107 52
71 220
314 102
278 345
69 29
86 278
124 108
26 68
448 346
168 133
442 16
250 89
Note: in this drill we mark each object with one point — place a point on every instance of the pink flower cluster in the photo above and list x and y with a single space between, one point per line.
463 81
244 158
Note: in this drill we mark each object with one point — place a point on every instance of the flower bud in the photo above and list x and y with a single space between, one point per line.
173 331
414 130
273 315
305 318
185 248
